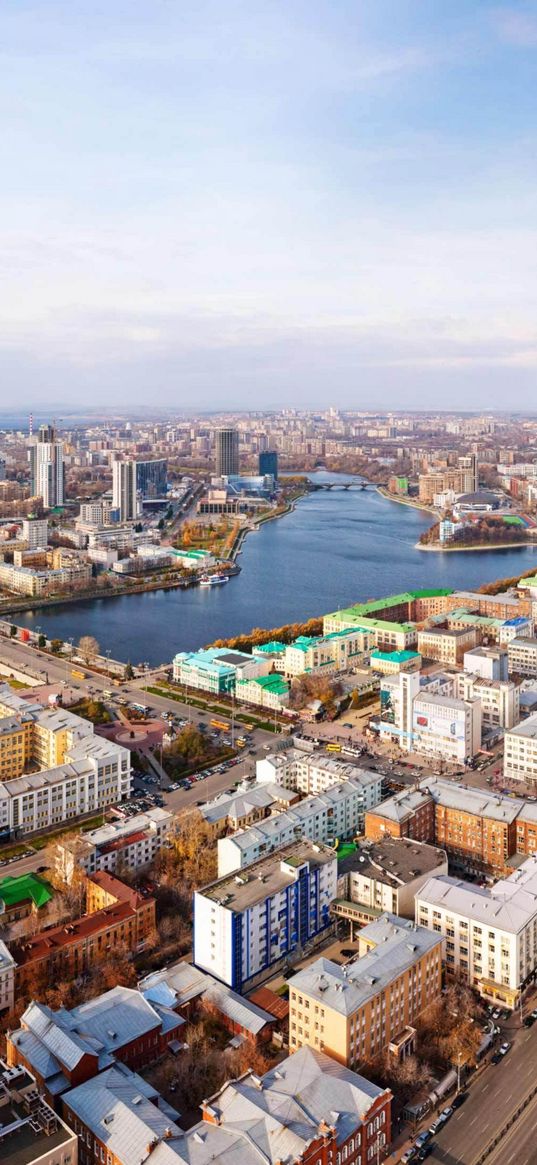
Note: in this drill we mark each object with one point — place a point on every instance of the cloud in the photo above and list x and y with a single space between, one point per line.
517 26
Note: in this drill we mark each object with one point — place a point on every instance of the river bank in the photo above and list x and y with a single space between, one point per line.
437 548
405 501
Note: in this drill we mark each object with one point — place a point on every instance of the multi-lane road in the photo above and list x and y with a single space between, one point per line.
491 1100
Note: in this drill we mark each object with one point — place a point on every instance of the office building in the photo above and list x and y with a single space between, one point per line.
268 463
522 655
356 1011
217 669
124 490
227 452
446 646
270 691
337 651
520 752
489 663
490 932
391 663
339 812
152 478
31 1133
499 699
446 727
385 875
47 468
249 924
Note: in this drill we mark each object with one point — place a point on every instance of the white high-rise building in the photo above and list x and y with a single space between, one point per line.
46 467
124 493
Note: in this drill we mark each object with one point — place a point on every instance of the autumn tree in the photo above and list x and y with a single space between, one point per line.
88 647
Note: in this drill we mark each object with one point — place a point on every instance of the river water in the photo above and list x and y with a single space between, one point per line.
336 548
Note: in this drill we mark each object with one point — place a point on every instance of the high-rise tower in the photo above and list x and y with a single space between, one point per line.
227 452
46 467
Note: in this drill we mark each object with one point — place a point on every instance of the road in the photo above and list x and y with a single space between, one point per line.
519 1146
492 1097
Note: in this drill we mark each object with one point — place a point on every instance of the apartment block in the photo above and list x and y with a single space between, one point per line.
353 1012
248 924
78 772
522 655
520 752
314 772
489 663
339 812
128 844
490 933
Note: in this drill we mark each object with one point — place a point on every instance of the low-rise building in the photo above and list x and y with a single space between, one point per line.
217 669
314 772
248 924
354 1011
386 876
22 895
391 663
406 814
130 843
335 651
245 807
339 812
270 691
117 917
31 1133
490 932
522 655
446 646
520 752
489 663
66 1047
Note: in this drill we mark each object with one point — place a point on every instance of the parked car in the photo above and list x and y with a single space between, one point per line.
423 1139
410 1155
459 1099
446 1113
505 1048
496 1058
425 1150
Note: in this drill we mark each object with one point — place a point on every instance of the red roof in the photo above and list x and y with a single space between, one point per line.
270 1002
123 842
43 945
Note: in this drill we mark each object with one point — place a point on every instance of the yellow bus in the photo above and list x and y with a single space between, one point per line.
220 724
78 675
333 748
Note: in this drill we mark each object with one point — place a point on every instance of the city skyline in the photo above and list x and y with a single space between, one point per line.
310 205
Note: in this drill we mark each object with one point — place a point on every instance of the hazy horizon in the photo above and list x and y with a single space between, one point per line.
217 207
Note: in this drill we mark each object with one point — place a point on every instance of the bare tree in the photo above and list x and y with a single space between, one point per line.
88 647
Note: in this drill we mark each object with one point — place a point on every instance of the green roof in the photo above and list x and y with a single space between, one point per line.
396 600
398 656
353 615
273 683
272 648
15 890
528 582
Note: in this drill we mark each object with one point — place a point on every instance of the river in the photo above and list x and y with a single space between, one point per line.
336 548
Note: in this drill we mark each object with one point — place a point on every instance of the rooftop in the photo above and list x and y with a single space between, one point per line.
528 728
24 888
246 887
398 944
29 1128
395 860
510 904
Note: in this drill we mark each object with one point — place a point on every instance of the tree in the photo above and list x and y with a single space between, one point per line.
128 674
56 646
42 641
13 631
88 647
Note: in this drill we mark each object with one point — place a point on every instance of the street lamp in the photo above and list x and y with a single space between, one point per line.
108 654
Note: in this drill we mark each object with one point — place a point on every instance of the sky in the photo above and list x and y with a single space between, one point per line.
246 204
